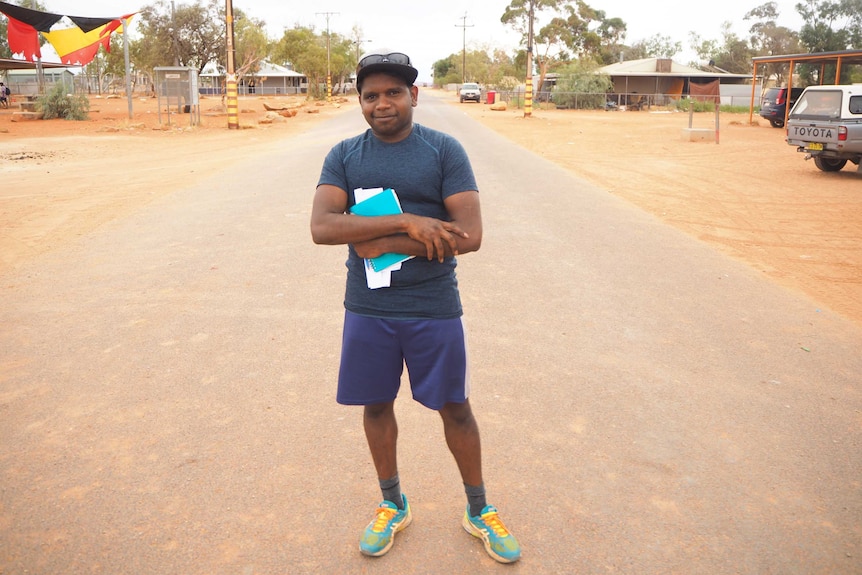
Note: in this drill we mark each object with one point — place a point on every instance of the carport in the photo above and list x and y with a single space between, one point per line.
13 64
839 59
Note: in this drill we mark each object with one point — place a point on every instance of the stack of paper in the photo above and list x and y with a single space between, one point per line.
379 202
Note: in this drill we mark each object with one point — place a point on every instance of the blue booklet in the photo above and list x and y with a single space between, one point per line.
384 203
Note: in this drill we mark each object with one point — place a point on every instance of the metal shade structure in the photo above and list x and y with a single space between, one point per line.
839 59
13 64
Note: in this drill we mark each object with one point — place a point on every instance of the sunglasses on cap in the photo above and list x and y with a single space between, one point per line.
392 58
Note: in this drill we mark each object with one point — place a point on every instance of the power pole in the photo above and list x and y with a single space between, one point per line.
173 29
40 72
464 27
231 88
127 64
328 70
358 44
528 90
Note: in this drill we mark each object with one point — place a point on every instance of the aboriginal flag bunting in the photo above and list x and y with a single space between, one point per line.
77 45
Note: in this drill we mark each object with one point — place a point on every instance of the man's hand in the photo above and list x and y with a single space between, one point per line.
436 235
430 237
408 234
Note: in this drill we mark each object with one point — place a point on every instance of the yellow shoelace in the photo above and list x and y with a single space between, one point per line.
493 521
384 515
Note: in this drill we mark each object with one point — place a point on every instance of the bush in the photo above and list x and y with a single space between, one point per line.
580 87
57 103
700 106
697 105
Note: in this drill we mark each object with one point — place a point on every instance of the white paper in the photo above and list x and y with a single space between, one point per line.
376 280
362 194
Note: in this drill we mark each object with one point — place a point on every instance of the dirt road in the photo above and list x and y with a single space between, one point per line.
751 196
647 404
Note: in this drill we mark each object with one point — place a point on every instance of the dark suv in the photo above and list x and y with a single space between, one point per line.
774 102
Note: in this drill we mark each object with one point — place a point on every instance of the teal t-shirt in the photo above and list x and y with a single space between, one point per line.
423 169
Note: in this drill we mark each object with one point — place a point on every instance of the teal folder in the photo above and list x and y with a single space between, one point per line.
384 203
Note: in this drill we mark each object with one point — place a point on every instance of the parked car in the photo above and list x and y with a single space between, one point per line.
774 103
470 91
826 125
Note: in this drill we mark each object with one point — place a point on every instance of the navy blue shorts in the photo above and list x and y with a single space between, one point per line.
374 352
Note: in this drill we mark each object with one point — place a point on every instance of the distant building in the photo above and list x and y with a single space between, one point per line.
270 79
25 82
662 78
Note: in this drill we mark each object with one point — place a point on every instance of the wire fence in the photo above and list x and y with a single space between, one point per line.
606 101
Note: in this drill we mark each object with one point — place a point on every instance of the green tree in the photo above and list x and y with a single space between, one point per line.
482 67
342 54
446 71
189 35
305 50
552 43
502 69
591 34
769 39
613 33
573 30
251 44
732 53
658 46
830 25
524 15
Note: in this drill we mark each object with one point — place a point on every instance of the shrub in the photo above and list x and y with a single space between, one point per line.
579 86
57 103
700 106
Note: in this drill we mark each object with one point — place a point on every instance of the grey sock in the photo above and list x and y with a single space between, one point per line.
391 489
475 498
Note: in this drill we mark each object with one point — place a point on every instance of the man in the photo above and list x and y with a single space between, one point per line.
4 95
413 314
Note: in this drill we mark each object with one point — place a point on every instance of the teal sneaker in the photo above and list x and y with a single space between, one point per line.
499 542
379 536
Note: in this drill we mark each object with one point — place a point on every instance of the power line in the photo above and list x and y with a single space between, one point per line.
328 70
464 27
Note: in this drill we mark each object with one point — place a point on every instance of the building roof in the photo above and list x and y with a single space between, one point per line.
267 69
270 69
651 67
845 56
13 64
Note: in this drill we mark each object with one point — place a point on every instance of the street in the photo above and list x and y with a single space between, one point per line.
647 405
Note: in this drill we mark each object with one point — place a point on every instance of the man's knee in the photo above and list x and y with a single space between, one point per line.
458 414
379 410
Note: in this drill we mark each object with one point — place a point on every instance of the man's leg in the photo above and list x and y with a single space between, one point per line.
381 432
480 520
462 437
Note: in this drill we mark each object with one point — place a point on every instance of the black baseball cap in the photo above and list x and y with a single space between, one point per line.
396 63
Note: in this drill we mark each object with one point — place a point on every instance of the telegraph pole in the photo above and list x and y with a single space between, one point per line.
328 70
40 72
232 98
528 90
359 43
464 27
128 66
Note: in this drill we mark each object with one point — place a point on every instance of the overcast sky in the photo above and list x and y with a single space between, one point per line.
429 30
